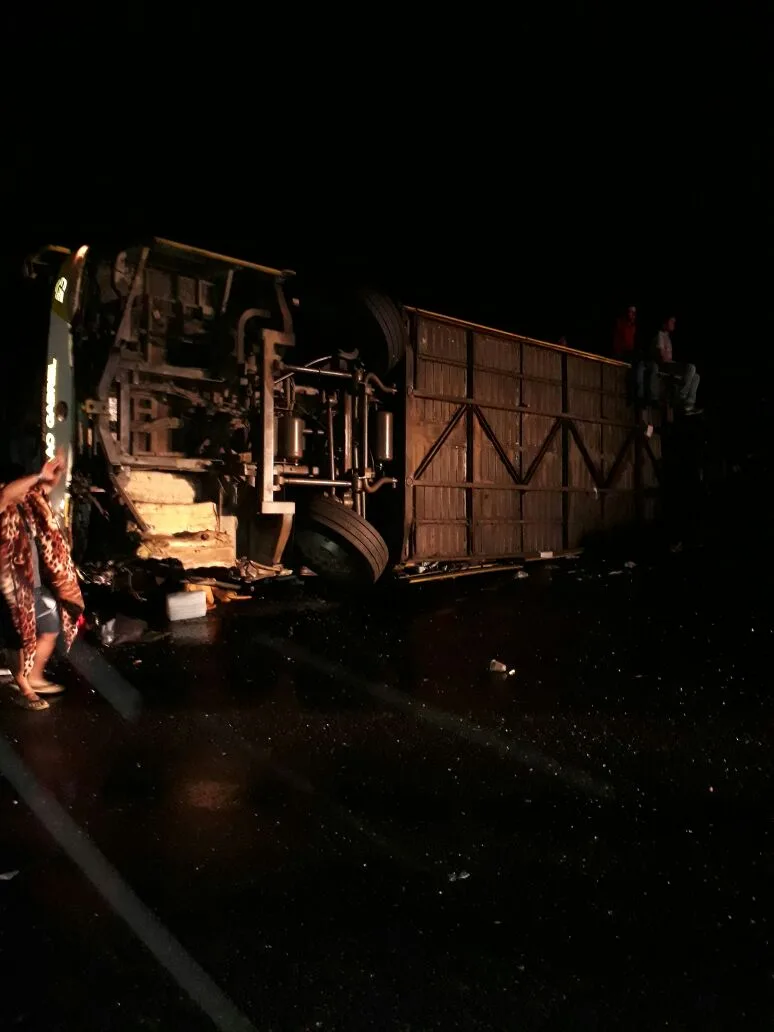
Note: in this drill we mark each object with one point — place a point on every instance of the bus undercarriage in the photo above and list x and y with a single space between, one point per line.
199 427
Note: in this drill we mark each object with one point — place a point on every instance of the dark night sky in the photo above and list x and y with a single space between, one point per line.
537 186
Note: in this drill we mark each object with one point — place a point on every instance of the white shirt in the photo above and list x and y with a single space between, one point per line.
663 345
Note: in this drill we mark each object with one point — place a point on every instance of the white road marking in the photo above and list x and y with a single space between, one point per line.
188 974
104 678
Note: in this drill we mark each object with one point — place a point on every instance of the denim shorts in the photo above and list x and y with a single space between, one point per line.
46 613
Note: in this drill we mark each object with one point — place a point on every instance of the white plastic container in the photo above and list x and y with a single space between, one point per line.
186 605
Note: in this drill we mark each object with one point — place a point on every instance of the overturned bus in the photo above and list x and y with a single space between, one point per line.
212 418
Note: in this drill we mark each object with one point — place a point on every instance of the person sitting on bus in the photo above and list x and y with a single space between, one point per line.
625 335
682 373
625 348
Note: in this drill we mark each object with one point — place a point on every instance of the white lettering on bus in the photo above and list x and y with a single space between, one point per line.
51 394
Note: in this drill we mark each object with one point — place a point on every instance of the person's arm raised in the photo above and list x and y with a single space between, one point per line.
17 490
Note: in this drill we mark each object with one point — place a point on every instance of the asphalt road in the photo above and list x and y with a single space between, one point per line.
308 813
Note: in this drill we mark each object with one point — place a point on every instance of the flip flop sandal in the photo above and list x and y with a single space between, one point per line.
47 688
26 701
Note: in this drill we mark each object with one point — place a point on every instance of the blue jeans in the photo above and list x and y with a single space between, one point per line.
688 379
647 383
46 613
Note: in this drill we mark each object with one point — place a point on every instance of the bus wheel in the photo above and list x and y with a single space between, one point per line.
339 545
391 329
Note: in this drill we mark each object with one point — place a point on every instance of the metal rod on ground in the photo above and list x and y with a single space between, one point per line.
416 578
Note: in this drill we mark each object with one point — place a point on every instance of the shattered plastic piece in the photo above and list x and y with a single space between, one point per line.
614 573
186 605
252 571
630 565
127 630
8 875
512 673
107 632
98 573
520 575
459 876
496 667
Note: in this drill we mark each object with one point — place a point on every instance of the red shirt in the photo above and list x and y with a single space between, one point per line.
623 338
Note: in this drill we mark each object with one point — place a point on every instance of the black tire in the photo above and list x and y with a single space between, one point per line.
339 545
391 326
345 320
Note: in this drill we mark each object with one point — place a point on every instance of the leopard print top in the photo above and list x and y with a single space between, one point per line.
56 569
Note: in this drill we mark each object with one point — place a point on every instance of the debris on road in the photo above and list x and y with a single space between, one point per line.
8 875
459 876
127 630
496 667
520 575
630 565
207 590
107 632
217 590
186 605
249 570
98 573
222 595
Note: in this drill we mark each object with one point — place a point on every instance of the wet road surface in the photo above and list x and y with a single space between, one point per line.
340 816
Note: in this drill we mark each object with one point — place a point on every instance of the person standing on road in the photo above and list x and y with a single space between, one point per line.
38 583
